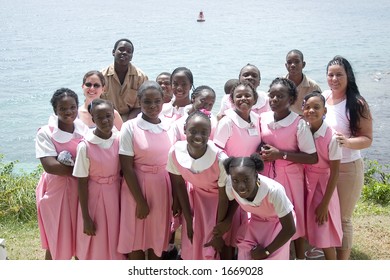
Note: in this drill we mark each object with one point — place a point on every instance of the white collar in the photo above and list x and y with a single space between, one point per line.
321 131
240 122
268 118
155 128
185 160
91 137
80 129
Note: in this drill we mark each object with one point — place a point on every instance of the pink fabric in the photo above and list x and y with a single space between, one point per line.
150 159
317 175
57 200
103 205
287 173
203 196
262 227
240 144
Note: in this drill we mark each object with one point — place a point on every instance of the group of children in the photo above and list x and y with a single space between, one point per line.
241 184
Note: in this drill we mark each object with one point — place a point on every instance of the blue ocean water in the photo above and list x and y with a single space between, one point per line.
48 44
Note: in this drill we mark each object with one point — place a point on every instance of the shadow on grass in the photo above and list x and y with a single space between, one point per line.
359 255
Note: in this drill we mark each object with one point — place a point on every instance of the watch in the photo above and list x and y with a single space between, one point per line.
267 253
285 155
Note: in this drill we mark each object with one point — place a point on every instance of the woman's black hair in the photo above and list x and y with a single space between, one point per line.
60 93
254 161
356 105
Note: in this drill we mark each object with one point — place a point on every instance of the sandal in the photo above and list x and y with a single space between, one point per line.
314 253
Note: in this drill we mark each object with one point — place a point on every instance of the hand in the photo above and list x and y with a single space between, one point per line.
217 243
342 140
89 227
221 228
258 253
322 213
142 210
269 153
176 208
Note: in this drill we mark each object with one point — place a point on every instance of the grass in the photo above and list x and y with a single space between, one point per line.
18 222
371 235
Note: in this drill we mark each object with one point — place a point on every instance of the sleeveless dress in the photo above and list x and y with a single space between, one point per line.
290 175
103 204
203 195
330 233
263 223
150 159
57 202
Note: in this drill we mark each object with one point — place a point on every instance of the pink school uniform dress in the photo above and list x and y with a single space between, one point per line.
98 160
57 196
330 233
203 176
149 144
290 134
240 139
263 225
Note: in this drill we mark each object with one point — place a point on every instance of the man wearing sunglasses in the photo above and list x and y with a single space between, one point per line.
123 80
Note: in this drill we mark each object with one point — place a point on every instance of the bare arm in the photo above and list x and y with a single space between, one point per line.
180 187
127 164
89 226
287 231
322 209
271 153
52 166
364 137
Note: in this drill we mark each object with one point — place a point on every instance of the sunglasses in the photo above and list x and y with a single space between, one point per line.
88 85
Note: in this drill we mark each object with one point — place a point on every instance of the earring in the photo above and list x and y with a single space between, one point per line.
323 117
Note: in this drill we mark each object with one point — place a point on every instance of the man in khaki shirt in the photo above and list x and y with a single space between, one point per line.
123 80
294 65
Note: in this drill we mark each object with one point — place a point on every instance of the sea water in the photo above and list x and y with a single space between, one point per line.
48 44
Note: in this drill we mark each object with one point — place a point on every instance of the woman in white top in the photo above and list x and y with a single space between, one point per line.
348 114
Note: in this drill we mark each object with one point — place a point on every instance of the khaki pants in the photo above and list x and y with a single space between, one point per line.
349 188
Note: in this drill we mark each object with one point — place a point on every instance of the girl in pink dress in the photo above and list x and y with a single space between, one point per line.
289 145
146 198
182 81
270 225
202 98
197 174
56 192
238 134
323 220
97 169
